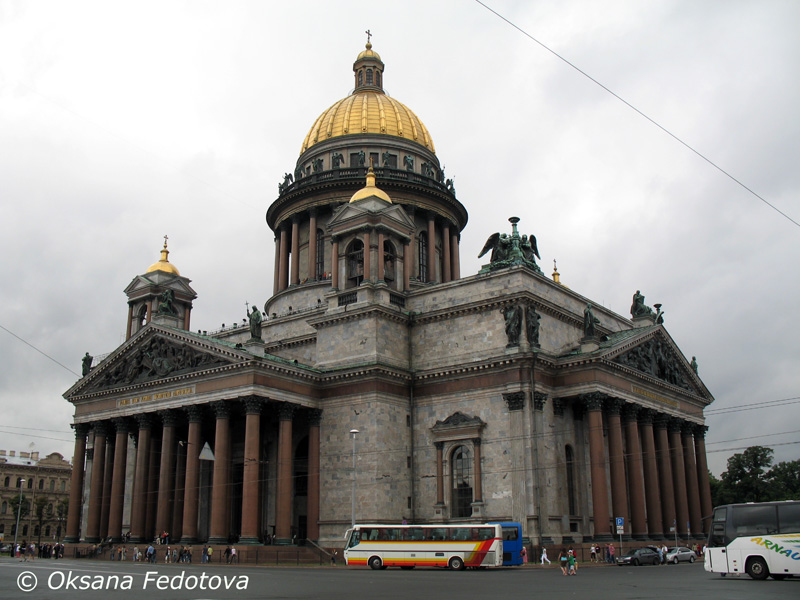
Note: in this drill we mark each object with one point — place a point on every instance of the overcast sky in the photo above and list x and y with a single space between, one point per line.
124 121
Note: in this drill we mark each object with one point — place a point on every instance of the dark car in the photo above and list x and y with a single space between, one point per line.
639 556
676 555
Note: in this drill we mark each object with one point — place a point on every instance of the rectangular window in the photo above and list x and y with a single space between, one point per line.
754 520
789 518
408 462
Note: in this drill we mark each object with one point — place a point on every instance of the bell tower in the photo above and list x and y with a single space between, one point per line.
160 295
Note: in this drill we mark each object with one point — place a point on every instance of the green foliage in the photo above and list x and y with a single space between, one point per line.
14 504
784 480
752 478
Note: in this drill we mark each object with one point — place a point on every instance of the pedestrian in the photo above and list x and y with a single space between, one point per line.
333 558
204 555
664 551
210 553
611 552
234 556
660 556
524 554
544 556
594 553
228 555
573 569
136 554
563 560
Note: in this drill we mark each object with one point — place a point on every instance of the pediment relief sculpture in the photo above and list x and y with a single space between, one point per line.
654 357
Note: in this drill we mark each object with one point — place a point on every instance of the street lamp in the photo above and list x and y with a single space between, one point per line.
353 432
19 509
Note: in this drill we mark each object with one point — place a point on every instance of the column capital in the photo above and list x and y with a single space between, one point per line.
314 417
438 445
194 413
169 418
674 425
646 415
102 428
476 442
253 405
539 400
286 411
122 425
144 421
515 400
81 429
614 405
630 411
700 431
660 420
558 406
221 409
687 428
593 400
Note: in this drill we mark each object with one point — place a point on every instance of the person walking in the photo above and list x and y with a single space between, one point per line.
563 561
524 554
544 556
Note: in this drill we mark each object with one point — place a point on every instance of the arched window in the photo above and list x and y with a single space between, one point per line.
378 78
361 78
389 260
4 508
24 530
141 317
47 530
36 531
422 257
49 509
19 482
369 76
355 263
7 481
41 484
319 268
570 464
52 485
30 483
63 485
2 527
461 474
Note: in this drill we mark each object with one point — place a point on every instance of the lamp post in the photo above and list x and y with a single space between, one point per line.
19 510
353 432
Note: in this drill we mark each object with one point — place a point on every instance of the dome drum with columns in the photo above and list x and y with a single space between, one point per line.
502 395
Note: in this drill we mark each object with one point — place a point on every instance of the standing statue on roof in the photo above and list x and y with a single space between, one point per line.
255 318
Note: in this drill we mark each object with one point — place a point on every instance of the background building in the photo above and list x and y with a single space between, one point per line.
498 395
46 485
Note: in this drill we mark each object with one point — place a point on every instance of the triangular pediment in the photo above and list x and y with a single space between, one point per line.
155 354
391 215
651 351
158 279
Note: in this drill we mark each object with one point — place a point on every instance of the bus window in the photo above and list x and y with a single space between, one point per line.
355 538
460 534
482 533
415 533
509 534
438 534
789 518
754 520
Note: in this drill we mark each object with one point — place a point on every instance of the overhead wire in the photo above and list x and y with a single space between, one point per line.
640 113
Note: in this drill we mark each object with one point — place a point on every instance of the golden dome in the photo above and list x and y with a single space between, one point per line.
370 189
368 110
164 264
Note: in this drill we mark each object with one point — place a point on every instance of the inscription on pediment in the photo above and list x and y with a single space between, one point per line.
155 359
655 358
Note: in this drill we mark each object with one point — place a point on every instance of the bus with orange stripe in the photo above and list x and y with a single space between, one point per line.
455 546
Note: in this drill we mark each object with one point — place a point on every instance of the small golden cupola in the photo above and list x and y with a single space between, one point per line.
370 189
368 69
163 264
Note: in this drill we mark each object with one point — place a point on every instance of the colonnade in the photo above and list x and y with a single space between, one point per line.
658 479
166 488
289 270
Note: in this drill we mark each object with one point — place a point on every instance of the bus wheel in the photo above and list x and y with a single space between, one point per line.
757 568
375 563
456 563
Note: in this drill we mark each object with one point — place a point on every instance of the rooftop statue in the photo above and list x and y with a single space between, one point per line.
509 251
87 363
638 307
590 322
255 319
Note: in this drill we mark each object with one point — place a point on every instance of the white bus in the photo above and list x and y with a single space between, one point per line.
760 539
406 546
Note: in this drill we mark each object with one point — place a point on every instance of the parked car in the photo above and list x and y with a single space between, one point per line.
682 554
639 556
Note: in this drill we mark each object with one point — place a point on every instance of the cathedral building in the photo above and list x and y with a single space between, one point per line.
380 382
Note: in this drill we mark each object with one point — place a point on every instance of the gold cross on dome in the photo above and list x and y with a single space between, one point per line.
369 35
165 241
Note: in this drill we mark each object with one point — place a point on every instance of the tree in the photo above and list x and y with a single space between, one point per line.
62 510
40 514
746 477
716 489
784 481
